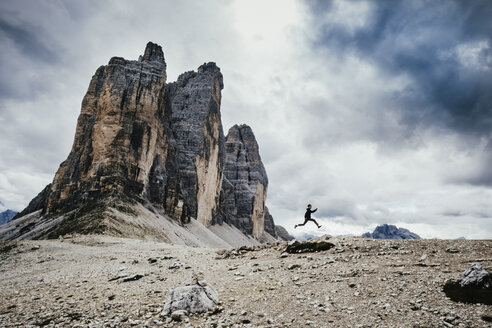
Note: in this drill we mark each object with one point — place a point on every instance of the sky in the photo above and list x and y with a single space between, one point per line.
373 111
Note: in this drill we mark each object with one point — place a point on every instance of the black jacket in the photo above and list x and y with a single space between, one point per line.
308 213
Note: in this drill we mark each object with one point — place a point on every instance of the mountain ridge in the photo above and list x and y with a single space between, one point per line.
6 216
388 231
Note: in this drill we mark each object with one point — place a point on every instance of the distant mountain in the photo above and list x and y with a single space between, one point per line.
6 216
282 233
387 231
309 236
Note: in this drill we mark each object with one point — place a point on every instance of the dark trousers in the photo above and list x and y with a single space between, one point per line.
306 221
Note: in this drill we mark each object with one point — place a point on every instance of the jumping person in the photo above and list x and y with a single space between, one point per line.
307 217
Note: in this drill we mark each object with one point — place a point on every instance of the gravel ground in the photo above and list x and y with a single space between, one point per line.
100 281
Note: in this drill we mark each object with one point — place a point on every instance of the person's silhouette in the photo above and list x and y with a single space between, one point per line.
307 217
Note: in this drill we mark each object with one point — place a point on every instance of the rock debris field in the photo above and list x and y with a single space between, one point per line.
100 281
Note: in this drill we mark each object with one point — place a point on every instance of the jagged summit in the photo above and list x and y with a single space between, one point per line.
149 157
153 52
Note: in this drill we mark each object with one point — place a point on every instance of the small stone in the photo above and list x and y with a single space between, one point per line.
176 265
293 266
179 315
132 278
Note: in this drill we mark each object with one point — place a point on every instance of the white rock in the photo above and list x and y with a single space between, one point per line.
193 299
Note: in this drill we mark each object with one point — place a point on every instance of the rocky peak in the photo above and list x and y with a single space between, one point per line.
245 183
387 231
212 69
153 52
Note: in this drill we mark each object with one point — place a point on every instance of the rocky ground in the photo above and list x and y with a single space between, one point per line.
99 281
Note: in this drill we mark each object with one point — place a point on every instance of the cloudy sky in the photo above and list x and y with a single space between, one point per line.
373 111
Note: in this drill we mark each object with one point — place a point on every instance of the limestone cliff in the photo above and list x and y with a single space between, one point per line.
194 104
119 132
142 145
245 184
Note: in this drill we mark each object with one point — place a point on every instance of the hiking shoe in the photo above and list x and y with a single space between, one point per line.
319 226
295 226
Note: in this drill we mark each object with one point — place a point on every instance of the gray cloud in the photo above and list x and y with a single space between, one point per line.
27 39
443 46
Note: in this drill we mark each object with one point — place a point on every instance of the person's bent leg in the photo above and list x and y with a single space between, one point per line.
305 221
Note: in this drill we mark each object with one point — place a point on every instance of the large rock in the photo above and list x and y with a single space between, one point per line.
308 246
143 142
474 287
197 298
387 231
476 277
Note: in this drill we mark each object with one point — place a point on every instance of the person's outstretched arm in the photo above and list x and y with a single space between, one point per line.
314 210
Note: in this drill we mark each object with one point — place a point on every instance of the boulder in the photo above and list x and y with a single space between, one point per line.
477 277
309 246
474 287
198 298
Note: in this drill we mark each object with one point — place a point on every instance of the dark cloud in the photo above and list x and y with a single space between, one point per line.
26 50
28 39
443 46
